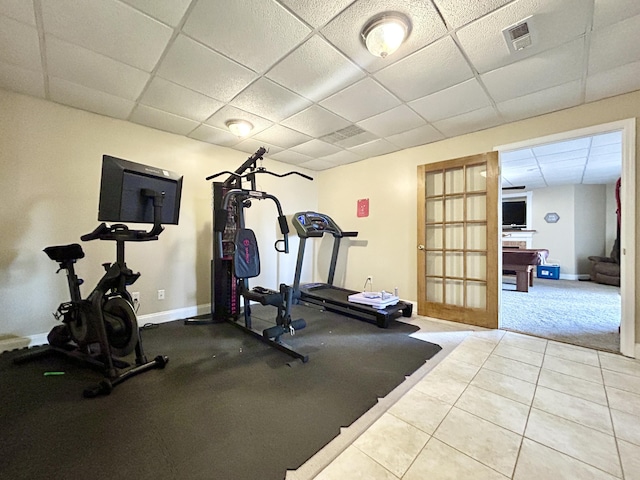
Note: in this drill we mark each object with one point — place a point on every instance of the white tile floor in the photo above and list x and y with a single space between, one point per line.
496 405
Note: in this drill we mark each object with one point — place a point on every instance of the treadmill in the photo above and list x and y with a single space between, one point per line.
326 295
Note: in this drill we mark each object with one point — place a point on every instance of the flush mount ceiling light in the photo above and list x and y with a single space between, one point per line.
240 128
384 33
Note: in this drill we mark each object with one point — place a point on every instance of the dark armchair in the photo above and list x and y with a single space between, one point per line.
607 269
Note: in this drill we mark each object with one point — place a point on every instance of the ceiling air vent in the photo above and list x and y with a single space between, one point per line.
342 134
521 35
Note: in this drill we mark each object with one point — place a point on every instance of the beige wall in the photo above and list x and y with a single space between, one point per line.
555 237
590 226
389 181
580 232
51 155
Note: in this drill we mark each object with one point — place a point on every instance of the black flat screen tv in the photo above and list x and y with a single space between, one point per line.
514 214
121 197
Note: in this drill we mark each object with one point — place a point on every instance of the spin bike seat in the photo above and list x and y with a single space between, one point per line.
64 253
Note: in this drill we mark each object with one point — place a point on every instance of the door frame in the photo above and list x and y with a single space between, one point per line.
628 219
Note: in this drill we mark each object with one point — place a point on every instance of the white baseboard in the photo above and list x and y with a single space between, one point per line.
13 342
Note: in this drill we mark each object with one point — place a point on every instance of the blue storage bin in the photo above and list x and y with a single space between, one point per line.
549 271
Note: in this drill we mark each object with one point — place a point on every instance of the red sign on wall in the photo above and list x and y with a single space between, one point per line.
363 207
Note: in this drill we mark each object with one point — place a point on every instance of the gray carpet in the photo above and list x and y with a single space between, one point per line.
586 314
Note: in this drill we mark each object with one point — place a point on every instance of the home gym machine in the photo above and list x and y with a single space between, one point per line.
102 329
236 258
326 295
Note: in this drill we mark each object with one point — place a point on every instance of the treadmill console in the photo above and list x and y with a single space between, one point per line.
313 224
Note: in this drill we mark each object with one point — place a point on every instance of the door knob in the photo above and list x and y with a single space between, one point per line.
420 247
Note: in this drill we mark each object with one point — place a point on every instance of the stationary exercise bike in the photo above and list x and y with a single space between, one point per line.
102 329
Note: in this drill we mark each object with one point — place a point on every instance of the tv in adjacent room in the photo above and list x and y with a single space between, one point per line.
121 197
514 214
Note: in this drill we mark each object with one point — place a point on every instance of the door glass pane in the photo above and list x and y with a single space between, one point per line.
433 183
454 263
454 292
433 210
454 180
476 237
476 295
454 209
476 207
433 235
454 237
476 265
477 178
435 290
434 263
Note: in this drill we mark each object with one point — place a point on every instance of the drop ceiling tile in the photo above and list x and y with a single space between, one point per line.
170 97
269 100
168 122
375 148
21 80
438 66
606 159
316 12
167 12
220 118
289 156
613 82
460 12
214 135
361 100
611 148
345 30
194 66
556 22
563 164
256 40
110 28
315 121
250 145
315 70
396 120
568 146
355 140
97 72
18 10
607 12
418 136
462 98
469 122
545 101
317 165
599 179
282 136
514 155
316 148
611 138
19 44
522 164
548 69
78 96
611 47
341 158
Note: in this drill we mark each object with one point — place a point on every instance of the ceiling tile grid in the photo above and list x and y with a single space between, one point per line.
301 74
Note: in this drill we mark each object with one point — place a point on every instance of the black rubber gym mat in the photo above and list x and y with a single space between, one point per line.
225 407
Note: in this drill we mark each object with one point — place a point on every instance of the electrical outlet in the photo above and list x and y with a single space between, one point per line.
160 294
135 296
